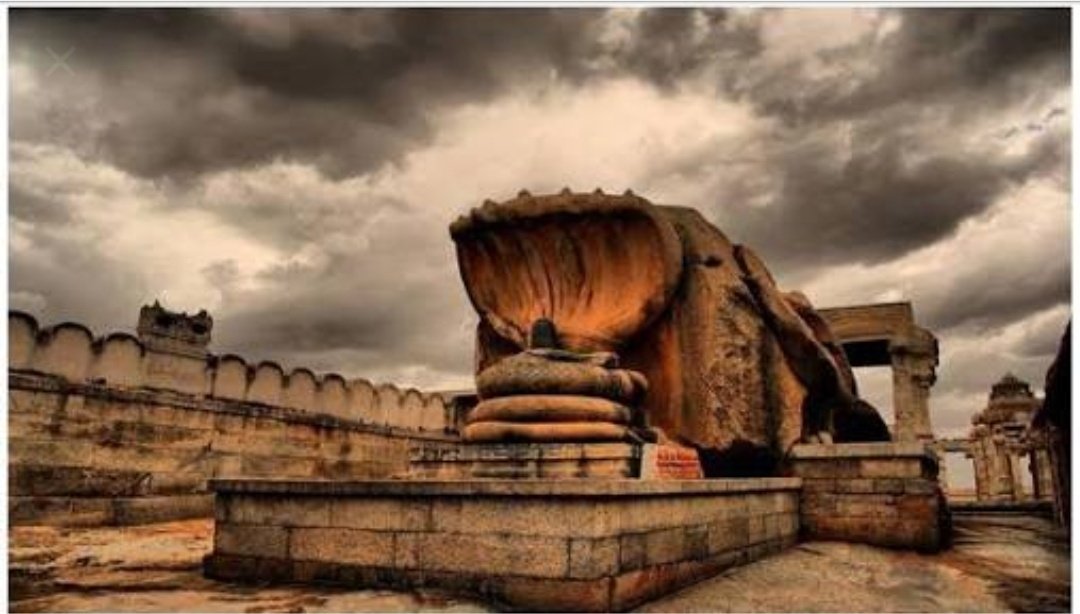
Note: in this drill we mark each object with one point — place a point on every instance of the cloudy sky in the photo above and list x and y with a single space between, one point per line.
295 171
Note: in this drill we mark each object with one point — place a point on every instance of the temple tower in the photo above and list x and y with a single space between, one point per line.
1000 440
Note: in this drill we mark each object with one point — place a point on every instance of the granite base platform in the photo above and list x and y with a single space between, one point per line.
883 494
550 545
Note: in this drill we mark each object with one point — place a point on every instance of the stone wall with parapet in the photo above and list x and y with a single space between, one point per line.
105 431
121 360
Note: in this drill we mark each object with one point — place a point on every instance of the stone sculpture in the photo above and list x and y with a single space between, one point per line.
549 394
713 355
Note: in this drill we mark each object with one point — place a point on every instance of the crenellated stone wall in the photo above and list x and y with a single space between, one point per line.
113 429
120 360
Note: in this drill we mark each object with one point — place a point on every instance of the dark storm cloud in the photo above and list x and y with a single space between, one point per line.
875 148
879 203
666 45
312 97
75 283
349 90
893 184
168 102
990 299
390 299
27 206
964 57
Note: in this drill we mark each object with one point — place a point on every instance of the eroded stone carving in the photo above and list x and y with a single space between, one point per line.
548 394
734 367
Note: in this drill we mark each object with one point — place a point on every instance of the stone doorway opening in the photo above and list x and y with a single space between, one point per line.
876 388
960 471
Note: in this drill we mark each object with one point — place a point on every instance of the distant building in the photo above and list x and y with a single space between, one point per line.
999 441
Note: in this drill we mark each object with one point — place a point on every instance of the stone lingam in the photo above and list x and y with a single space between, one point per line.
608 318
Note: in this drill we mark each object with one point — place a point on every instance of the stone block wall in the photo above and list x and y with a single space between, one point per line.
119 360
884 494
89 454
549 545
106 430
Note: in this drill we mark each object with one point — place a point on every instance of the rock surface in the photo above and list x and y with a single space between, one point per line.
158 568
998 563
735 368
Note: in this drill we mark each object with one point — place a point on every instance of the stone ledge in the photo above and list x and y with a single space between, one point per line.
608 461
495 487
548 545
906 449
507 591
98 511
883 494
74 481
468 452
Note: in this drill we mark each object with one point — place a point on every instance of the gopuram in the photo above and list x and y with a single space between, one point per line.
652 409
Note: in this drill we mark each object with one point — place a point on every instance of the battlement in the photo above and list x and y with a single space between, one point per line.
173 331
170 354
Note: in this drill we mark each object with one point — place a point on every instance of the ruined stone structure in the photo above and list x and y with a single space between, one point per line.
701 348
886 334
1001 437
126 429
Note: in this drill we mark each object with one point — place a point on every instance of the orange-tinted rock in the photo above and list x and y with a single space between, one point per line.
735 368
534 373
600 267
549 408
545 432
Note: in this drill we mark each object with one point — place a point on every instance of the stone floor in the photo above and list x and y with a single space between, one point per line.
999 563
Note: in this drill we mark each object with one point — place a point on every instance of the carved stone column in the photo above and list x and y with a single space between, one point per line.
914 359
1002 473
1016 477
1042 475
980 471
943 470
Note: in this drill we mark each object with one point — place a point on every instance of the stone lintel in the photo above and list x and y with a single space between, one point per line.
885 449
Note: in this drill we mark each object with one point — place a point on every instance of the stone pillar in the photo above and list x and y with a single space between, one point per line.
1001 471
983 463
943 470
976 469
1042 475
1016 478
913 361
